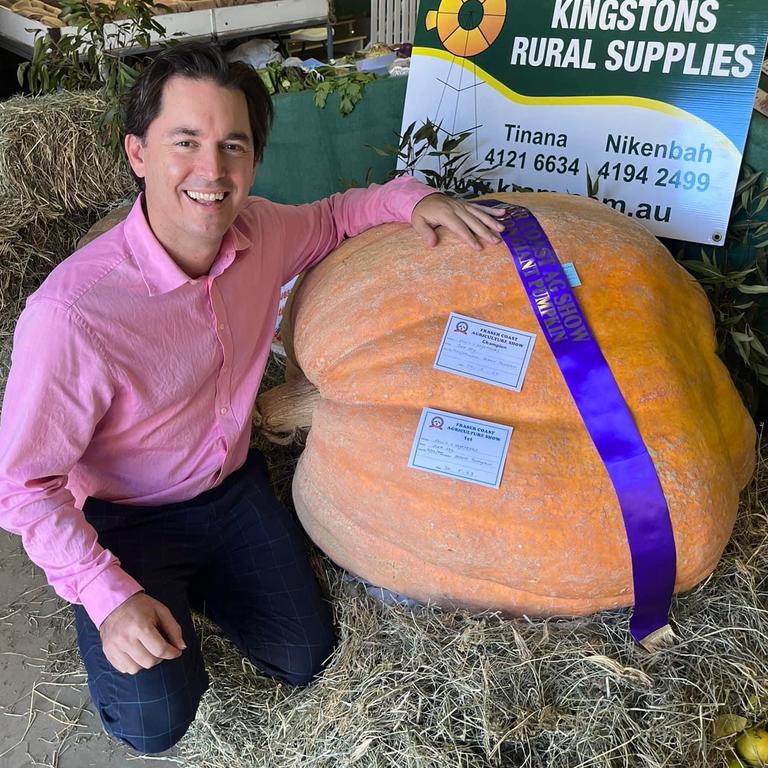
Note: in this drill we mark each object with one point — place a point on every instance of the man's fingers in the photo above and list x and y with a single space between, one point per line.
122 662
465 233
472 228
496 210
489 216
139 652
428 235
170 628
475 225
152 648
483 230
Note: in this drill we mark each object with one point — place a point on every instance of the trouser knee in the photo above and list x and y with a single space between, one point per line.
307 663
152 744
155 724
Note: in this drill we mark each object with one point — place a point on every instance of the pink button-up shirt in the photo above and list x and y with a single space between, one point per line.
133 383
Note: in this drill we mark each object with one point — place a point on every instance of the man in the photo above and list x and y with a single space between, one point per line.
124 436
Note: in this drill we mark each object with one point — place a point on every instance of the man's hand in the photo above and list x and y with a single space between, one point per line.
476 225
139 634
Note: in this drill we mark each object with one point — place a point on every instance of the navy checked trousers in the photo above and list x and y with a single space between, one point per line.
233 553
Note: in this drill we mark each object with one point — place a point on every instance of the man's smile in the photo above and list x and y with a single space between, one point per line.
205 198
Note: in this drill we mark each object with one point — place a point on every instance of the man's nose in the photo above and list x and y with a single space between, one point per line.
210 163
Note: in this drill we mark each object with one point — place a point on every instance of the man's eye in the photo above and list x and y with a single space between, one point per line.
184 143
234 148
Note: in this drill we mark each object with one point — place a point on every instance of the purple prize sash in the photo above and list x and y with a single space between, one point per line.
606 417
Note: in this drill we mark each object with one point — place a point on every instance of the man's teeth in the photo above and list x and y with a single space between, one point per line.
206 197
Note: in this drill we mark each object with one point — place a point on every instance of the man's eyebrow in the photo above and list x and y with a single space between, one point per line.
182 131
234 136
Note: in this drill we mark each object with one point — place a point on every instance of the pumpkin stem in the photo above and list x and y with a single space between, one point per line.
282 410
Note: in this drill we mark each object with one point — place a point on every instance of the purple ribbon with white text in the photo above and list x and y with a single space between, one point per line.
606 417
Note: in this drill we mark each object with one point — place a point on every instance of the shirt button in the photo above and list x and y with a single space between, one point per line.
221 326
223 410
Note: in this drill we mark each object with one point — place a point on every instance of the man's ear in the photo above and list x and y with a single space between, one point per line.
134 151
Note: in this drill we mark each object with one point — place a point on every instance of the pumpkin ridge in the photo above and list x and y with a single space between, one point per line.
618 600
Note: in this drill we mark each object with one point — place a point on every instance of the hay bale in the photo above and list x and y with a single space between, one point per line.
57 177
53 159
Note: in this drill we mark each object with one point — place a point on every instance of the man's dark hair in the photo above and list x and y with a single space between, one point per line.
198 61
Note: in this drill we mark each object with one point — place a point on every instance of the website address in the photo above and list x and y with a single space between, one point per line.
643 211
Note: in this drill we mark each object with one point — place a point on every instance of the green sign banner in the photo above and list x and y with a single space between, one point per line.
650 99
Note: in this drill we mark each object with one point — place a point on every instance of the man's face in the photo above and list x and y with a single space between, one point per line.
197 162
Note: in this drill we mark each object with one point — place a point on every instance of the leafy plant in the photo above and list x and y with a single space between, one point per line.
94 55
349 85
735 280
453 175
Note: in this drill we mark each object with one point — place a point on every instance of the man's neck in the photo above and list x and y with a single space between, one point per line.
195 261
194 265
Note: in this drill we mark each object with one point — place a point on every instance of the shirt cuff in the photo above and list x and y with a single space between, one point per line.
410 193
110 589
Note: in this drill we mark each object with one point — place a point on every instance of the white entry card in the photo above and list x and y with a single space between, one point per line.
485 351
458 446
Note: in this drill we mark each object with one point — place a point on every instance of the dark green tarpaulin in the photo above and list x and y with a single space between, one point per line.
756 151
313 152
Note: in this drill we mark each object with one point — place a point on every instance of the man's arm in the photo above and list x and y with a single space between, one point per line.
307 233
58 389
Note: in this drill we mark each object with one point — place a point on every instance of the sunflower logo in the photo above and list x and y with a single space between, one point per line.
467 27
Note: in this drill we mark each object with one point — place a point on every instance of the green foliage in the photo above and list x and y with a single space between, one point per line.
349 85
93 57
593 186
453 176
734 278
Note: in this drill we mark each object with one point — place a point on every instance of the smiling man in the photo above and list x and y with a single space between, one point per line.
124 438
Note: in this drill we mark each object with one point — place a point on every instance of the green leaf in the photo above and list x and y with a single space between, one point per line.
752 288
747 183
728 725
730 321
757 345
406 137
701 268
428 133
741 350
450 144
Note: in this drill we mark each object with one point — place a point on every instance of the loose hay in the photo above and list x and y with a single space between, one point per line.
429 689
424 688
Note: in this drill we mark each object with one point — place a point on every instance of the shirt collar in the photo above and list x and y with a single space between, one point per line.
161 274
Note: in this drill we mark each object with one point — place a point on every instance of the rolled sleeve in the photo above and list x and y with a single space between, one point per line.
308 233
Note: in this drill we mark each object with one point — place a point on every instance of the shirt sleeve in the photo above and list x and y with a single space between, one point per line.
58 389
310 232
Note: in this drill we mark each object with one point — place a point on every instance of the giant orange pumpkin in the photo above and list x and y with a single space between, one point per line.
365 327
